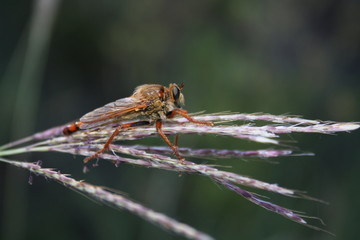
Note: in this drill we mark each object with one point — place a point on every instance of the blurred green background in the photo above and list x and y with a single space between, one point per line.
61 59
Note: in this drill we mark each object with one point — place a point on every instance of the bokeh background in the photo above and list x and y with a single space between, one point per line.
61 59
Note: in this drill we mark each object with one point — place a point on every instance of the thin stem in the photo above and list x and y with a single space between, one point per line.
113 199
87 142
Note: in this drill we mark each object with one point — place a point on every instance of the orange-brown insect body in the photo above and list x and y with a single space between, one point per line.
148 104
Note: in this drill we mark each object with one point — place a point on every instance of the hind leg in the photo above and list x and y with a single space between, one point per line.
111 138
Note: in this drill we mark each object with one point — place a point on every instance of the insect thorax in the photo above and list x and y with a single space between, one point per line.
158 99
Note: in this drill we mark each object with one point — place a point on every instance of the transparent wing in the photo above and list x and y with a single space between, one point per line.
122 109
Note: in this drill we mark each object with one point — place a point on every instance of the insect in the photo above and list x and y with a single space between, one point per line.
152 103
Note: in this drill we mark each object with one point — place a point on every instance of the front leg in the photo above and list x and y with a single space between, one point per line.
184 114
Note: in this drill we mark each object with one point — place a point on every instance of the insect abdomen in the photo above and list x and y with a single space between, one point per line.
71 128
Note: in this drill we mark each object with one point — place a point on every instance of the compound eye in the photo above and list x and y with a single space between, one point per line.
176 93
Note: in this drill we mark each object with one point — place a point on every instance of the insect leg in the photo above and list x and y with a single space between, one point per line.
163 136
111 138
176 140
184 114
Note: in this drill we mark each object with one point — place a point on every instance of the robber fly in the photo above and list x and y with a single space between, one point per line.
152 103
